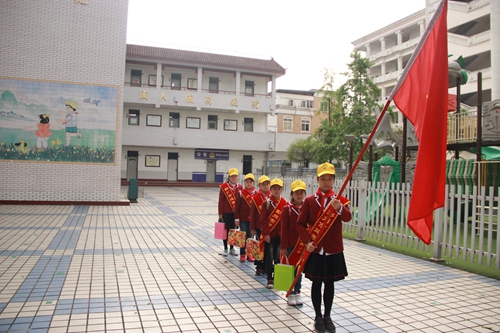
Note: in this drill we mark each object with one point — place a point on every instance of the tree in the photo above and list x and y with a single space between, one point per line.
301 151
349 110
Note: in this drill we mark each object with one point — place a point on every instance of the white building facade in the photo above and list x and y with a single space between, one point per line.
206 114
473 33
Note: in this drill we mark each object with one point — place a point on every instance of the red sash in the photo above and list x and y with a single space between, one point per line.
229 193
247 195
258 200
294 256
275 216
325 221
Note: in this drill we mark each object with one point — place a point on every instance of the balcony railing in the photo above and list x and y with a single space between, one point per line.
462 127
207 99
210 91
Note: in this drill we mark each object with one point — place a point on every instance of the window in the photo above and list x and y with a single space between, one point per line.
249 86
174 119
192 84
213 85
305 124
175 81
287 124
135 78
306 104
152 80
153 120
212 122
248 125
193 122
324 106
290 102
230 125
133 117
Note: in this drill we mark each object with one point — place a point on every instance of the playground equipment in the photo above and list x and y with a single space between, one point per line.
384 170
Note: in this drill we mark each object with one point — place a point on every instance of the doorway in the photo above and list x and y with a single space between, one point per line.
247 164
132 157
172 167
211 166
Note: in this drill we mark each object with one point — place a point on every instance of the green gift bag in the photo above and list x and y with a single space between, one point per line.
283 276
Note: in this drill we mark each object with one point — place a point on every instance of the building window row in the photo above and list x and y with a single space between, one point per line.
174 120
192 83
305 124
303 104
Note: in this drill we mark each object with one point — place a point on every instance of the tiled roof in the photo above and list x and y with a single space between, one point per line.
205 59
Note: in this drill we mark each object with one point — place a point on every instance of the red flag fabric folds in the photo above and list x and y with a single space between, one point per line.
422 96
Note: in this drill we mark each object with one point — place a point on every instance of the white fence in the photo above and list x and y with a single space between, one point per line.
466 228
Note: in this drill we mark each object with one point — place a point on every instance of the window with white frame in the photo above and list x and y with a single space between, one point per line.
306 104
305 125
290 102
287 124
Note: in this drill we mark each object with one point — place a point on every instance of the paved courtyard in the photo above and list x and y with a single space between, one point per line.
154 266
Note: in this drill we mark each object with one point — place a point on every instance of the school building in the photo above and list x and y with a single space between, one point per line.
190 116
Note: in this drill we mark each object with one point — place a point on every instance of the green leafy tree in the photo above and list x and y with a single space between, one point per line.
349 110
302 151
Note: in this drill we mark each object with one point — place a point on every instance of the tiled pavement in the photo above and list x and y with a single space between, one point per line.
154 266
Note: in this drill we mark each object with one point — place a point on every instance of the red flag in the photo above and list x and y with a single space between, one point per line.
422 96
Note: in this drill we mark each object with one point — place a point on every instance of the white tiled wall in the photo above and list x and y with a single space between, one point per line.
67 41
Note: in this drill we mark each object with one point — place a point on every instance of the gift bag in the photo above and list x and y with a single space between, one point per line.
249 250
283 276
254 247
236 237
220 230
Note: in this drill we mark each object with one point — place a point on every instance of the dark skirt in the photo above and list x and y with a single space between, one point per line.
228 220
326 268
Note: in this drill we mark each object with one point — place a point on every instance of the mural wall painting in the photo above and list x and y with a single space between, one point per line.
57 122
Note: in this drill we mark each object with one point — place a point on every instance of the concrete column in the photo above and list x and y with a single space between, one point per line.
421 25
400 63
495 49
382 68
382 44
273 96
158 75
399 35
238 83
367 46
200 78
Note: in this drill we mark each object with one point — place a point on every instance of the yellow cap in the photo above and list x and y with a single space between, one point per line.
233 171
249 176
71 105
326 168
264 178
298 185
276 181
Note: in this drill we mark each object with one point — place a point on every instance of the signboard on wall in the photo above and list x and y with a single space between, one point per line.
209 154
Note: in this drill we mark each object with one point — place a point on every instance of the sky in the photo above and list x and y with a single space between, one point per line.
304 37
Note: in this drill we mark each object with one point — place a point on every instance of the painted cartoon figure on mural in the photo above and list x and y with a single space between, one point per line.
42 131
71 122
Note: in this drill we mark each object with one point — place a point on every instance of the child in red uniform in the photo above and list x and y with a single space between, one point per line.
290 241
255 226
326 263
242 211
270 219
227 202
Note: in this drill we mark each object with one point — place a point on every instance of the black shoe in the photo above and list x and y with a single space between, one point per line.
319 324
330 327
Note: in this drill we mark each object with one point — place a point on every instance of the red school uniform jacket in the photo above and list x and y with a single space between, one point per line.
258 197
332 242
266 212
224 206
243 207
289 234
